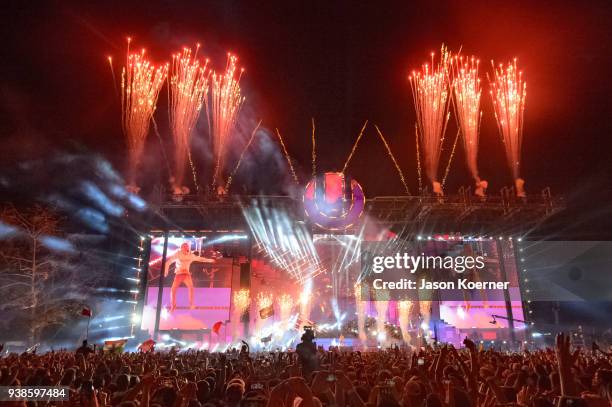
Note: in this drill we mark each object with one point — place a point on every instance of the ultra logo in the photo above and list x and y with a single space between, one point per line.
333 201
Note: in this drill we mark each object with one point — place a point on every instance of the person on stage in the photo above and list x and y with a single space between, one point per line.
183 259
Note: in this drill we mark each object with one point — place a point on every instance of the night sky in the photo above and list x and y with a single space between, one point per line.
340 62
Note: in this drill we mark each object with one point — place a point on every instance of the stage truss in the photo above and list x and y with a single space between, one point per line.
412 217
460 213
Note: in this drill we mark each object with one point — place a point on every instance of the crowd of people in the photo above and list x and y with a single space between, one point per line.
434 376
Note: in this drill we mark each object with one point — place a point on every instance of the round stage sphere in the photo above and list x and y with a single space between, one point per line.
333 201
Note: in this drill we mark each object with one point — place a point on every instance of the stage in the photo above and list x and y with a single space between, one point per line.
275 272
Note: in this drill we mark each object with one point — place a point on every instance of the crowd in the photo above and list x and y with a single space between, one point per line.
438 376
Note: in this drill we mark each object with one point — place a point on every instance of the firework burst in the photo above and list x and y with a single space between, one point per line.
188 92
242 300
508 91
425 310
141 82
285 302
264 300
226 101
431 95
381 317
404 308
467 92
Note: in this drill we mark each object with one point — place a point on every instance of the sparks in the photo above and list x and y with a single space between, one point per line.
425 311
285 302
508 91
430 92
467 92
226 101
404 308
141 82
264 300
188 92
381 306
242 300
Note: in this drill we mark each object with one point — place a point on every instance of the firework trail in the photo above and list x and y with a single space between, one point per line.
431 95
390 153
305 300
418 158
141 82
242 300
404 308
110 64
228 184
188 92
360 306
226 101
348 159
314 150
263 300
285 303
450 159
508 91
382 306
425 311
467 92
287 157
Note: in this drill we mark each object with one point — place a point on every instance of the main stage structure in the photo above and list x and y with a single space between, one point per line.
460 214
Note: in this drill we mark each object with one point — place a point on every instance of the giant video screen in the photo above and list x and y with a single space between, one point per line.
471 283
196 283
484 307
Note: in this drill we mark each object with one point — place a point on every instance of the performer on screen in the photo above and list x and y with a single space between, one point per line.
183 259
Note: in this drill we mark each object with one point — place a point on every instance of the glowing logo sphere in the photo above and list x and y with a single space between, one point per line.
333 201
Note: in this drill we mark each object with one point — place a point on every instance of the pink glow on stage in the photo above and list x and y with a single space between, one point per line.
210 305
479 314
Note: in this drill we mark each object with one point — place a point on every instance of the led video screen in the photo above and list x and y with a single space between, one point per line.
196 282
473 284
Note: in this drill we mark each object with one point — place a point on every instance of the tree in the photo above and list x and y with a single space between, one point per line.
42 278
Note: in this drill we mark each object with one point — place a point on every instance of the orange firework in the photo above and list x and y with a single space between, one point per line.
264 300
242 300
188 92
467 91
140 85
285 302
404 307
226 101
508 91
430 92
